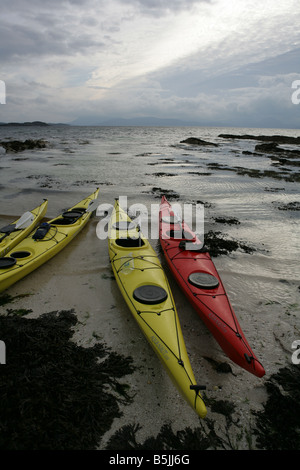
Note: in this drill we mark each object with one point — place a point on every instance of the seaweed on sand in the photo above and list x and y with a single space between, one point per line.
277 425
217 244
54 394
186 439
205 436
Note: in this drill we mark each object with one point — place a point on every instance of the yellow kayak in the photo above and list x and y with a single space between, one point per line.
147 293
12 234
45 242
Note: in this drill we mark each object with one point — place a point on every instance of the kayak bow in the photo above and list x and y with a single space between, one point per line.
12 234
44 242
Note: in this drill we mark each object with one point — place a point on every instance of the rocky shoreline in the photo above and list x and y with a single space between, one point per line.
15 146
279 139
268 146
197 141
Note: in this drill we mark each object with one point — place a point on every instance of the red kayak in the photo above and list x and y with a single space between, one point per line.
196 274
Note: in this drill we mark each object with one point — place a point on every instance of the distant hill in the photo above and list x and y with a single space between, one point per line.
32 123
137 121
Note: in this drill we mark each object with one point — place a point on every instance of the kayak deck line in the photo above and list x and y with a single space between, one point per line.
15 232
145 288
33 258
132 258
199 295
198 277
159 312
44 242
178 357
237 330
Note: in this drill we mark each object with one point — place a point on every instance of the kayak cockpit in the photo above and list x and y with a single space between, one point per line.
69 217
130 242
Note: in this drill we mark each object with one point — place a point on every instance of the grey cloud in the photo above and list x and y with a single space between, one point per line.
189 81
47 27
157 7
23 41
224 83
50 4
33 5
44 28
164 3
254 95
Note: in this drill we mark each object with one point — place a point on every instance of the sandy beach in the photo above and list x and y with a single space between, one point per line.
80 280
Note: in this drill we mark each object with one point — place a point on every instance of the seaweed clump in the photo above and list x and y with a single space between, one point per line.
218 245
54 394
204 437
186 439
277 425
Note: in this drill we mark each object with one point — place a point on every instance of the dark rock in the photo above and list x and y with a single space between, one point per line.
227 220
274 190
169 193
196 141
281 174
291 206
279 139
14 146
161 174
269 147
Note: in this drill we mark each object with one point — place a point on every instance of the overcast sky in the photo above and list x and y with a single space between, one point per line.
218 62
